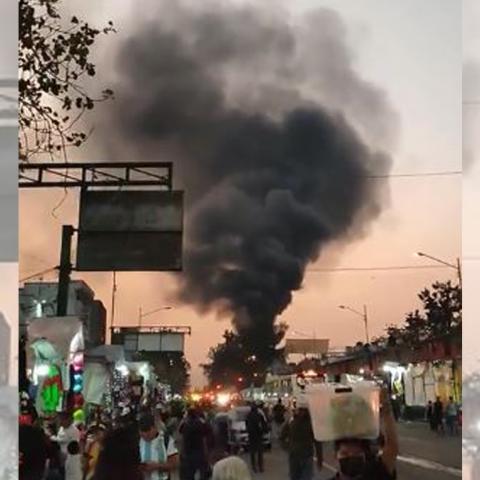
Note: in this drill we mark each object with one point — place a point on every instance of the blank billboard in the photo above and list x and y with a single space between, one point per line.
131 211
304 346
154 342
130 231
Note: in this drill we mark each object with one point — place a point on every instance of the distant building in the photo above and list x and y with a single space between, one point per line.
39 300
5 333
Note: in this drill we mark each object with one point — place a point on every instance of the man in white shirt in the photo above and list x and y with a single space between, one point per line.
158 453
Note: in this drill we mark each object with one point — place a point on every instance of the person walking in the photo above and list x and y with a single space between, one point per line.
158 454
298 440
256 428
33 452
438 415
279 412
451 416
73 462
119 458
429 415
67 433
93 448
194 451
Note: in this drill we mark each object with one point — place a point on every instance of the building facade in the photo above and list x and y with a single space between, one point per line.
39 300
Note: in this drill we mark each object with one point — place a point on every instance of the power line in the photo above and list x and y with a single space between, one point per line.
375 269
66 177
39 274
420 174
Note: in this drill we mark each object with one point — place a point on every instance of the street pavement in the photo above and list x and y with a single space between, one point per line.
423 456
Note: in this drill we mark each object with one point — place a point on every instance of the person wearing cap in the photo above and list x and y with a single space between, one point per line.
298 440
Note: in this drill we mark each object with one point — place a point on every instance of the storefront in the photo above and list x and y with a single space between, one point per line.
55 365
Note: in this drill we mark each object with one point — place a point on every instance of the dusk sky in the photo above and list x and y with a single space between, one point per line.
412 51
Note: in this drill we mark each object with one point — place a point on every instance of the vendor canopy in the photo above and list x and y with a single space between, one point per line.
62 332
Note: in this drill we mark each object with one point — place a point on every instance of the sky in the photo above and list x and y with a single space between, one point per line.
412 51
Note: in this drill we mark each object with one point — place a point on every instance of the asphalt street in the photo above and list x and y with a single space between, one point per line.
423 456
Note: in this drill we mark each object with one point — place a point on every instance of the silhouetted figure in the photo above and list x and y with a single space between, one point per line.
256 429
438 415
119 458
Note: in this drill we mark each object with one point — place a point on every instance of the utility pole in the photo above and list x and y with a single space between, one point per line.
365 319
114 292
65 270
459 271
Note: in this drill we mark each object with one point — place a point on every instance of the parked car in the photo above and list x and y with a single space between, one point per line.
237 430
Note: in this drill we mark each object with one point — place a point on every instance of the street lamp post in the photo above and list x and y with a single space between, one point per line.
143 315
457 266
363 315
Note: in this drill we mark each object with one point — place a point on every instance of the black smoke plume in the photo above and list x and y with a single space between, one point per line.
271 175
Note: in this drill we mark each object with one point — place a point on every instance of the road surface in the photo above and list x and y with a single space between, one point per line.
423 456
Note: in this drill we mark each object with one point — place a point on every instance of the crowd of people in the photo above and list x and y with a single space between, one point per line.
158 442
444 418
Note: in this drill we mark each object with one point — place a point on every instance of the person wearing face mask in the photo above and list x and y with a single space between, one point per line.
355 458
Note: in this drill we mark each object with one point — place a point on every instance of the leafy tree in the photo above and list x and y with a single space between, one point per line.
237 357
441 316
54 58
415 330
443 308
171 369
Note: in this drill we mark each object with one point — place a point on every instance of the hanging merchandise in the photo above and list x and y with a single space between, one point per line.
51 391
442 372
429 380
76 386
120 385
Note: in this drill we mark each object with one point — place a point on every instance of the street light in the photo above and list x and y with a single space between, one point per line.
457 266
360 314
143 315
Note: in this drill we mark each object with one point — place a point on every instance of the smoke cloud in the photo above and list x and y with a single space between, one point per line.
274 138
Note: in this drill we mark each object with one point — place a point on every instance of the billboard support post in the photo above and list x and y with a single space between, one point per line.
65 270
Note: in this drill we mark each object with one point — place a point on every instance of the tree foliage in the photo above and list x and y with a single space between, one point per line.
237 362
55 61
171 368
440 316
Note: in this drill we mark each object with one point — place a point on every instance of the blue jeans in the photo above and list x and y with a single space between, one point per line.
301 468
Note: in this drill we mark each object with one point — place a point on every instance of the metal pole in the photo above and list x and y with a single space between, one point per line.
114 291
65 270
365 319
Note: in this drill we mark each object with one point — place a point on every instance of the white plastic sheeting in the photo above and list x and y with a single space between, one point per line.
95 382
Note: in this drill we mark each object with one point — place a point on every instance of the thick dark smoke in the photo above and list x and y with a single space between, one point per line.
271 176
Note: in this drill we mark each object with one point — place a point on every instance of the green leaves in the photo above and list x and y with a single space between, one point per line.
441 316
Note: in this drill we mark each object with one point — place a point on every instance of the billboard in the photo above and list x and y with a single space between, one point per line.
130 230
154 342
317 346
